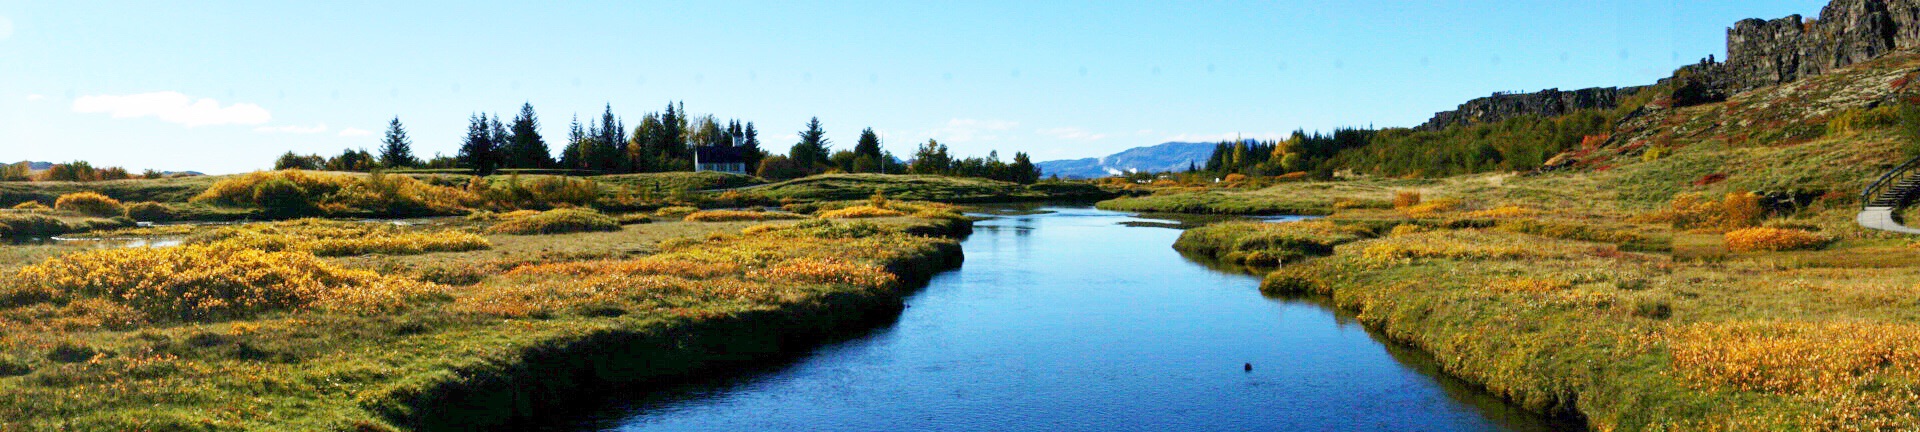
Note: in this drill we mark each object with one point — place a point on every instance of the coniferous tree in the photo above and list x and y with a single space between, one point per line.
603 151
525 148
751 141
396 150
572 156
866 152
813 150
478 151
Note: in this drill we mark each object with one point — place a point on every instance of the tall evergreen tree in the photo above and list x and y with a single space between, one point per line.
571 156
751 141
499 137
813 149
478 151
866 152
525 148
609 136
672 141
396 150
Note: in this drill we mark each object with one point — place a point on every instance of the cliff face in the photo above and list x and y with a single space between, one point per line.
1761 53
1547 103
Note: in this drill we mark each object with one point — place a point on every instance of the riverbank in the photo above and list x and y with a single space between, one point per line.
1605 311
496 337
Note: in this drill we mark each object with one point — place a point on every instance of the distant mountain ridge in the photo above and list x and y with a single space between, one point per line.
1170 156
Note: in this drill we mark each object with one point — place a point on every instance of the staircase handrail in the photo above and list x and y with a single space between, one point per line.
1888 180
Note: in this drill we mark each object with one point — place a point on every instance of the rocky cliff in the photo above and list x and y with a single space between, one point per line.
1761 53
1546 103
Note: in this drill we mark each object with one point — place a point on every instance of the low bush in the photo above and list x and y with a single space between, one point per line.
1430 208
32 206
31 225
737 215
211 282
860 212
333 238
675 211
559 221
150 212
1696 211
1773 239
1405 199
1505 212
293 193
1458 244
1264 244
90 204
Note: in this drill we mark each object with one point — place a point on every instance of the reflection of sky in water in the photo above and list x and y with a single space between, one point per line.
1070 321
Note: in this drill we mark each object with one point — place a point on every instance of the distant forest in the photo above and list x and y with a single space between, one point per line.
662 141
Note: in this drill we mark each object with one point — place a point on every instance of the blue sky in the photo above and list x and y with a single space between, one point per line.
225 87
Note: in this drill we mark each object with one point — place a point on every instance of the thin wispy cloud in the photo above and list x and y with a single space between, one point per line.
173 107
293 129
1072 134
351 132
36 97
962 130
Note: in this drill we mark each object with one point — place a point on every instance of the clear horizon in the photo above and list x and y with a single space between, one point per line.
224 87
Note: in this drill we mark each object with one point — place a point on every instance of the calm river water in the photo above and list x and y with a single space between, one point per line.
1071 321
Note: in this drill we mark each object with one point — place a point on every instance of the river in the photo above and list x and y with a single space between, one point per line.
1070 320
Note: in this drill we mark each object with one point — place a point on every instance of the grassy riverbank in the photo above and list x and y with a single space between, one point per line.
249 329
1685 277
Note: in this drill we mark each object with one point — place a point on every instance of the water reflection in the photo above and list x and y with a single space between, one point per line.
1071 321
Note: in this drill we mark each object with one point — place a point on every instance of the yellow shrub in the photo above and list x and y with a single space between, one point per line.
557 222
197 283
1528 285
737 215
1404 199
1430 208
1406 229
1772 239
860 212
1691 211
1505 212
1740 210
301 193
828 270
332 238
91 204
675 211
31 206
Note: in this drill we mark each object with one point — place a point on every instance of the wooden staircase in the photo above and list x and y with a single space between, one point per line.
1881 202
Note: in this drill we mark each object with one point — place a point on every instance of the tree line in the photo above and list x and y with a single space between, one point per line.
1515 144
661 141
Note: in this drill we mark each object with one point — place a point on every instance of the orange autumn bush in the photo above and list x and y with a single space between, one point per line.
1773 239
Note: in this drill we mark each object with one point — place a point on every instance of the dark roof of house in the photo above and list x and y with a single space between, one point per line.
717 154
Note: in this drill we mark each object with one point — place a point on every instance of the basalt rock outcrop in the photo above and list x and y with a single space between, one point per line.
1762 53
1546 103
